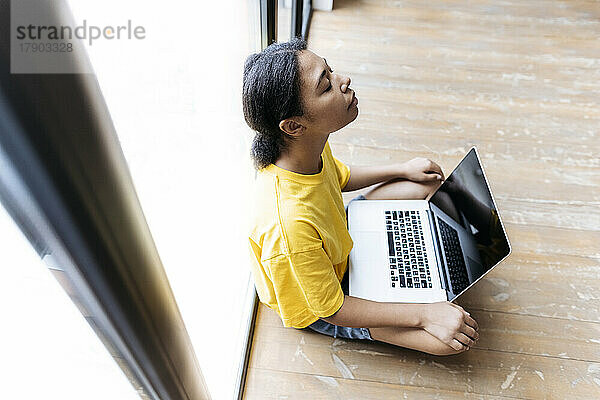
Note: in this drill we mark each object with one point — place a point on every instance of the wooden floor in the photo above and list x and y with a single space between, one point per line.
521 81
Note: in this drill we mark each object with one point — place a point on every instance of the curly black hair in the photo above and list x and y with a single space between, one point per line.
271 93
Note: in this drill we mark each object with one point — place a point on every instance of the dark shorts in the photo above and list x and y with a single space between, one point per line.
341 331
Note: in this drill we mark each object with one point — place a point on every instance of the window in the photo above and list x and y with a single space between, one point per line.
175 101
49 350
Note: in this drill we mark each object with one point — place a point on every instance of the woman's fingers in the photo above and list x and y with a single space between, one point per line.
470 332
433 167
471 322
428 176
467 317
464 339
457 345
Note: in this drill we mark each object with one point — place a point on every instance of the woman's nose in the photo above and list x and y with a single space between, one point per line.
345 83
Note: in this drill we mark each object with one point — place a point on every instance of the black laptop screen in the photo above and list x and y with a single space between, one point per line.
466 198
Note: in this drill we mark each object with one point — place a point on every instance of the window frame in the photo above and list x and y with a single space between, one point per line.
66 184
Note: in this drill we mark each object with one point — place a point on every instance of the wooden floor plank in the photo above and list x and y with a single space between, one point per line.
500 331
538 182
478 371
273 384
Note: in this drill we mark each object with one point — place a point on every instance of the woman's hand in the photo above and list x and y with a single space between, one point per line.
451 324
421 170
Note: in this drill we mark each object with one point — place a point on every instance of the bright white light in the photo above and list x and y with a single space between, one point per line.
175 100
48 349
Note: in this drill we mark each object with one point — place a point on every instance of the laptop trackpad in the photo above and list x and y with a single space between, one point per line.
366 245
364 257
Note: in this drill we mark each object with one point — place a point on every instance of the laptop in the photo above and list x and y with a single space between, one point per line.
424 251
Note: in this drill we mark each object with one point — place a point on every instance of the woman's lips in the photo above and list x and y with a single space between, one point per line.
354 100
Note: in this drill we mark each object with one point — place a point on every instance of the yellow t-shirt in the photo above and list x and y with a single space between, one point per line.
299 240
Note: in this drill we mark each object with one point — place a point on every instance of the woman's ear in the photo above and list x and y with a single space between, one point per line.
291 127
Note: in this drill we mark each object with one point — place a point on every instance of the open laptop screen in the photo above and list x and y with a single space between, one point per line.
465 197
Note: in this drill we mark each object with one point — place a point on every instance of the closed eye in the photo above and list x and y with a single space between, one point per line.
329 87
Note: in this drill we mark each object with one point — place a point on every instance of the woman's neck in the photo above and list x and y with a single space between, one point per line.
303 156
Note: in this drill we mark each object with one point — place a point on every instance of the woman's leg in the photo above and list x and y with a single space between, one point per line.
413 338
402 189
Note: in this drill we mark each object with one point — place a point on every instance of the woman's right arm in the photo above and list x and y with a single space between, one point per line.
359 313
444 320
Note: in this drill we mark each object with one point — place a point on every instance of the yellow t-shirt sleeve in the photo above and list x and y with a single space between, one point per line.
343 172
306 287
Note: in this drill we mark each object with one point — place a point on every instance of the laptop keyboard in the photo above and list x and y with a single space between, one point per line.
408 258
454 257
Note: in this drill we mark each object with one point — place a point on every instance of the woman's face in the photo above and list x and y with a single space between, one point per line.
328 102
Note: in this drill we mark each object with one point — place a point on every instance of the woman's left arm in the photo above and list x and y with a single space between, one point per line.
418 169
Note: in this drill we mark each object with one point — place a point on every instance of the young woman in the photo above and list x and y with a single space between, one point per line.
299 239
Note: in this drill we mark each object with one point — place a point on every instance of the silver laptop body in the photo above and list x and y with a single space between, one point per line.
423 251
